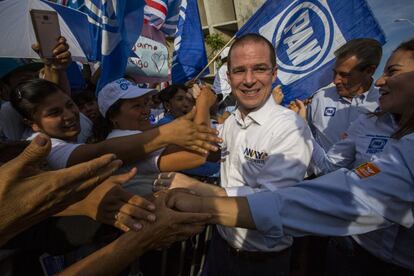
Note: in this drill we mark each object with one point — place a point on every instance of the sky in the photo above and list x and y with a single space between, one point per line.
386 11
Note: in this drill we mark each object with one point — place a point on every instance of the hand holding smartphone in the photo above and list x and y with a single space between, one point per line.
47 31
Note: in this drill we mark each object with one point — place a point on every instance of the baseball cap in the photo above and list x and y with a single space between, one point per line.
119 89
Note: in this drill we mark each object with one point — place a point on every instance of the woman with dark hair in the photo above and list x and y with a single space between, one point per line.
177 101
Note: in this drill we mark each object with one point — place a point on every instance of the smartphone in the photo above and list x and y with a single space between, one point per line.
47 30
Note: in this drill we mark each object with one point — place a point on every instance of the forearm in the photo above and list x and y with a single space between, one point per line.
113 258
326 206
58 77
129 148
15 221
228 211
177 159
202 116
340 155
188 159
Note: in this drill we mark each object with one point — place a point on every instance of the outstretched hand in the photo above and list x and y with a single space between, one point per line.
109 203
29 195
187 134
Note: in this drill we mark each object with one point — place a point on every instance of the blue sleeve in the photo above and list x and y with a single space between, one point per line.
165 120
343 202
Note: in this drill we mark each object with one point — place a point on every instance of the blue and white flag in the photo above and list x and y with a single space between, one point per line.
106 33
169 28
115 26
189 51
306 34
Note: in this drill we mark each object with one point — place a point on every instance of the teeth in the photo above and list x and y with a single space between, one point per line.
250 92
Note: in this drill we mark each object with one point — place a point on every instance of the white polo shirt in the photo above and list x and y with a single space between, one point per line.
330 115
269 149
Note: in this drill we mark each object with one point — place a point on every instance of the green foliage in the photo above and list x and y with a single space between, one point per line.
215 42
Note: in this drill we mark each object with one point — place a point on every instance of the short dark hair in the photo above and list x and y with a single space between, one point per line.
30 94
406 46
252 37
83 96
367 50
169 92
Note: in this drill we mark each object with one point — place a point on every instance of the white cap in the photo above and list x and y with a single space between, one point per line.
119 89
225 53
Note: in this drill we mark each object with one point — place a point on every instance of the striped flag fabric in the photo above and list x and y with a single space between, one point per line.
155 12
189 56
163 15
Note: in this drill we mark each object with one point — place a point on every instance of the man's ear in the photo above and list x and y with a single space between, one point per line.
35 127
274 73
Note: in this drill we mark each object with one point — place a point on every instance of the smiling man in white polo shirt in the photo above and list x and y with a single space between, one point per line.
266 147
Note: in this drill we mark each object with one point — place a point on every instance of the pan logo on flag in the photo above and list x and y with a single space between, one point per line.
304 37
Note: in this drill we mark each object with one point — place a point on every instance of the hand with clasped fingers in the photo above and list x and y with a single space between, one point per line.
109 203
171 225
29 195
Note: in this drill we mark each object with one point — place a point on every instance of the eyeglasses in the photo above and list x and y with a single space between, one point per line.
257 71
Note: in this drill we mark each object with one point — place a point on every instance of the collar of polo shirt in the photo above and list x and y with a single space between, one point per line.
258 116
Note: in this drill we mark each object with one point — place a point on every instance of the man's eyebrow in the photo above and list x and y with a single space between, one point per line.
254 65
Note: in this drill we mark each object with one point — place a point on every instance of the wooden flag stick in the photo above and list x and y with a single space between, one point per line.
215 57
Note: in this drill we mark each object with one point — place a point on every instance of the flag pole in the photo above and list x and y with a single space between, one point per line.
214 58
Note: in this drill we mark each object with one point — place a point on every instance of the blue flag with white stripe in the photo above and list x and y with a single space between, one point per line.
306 34
189 51
115 26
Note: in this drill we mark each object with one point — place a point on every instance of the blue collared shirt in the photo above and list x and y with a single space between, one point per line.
344 202
330 115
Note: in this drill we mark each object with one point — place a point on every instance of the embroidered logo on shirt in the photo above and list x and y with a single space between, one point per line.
224 154
255 156
329 111
377 145
366 170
